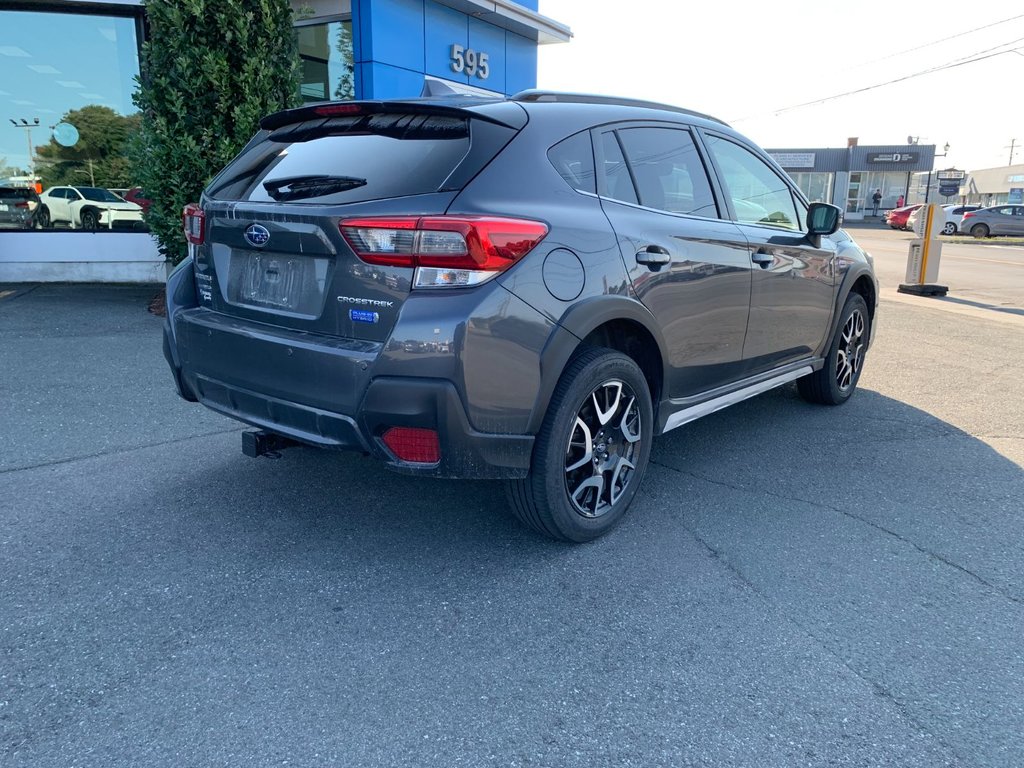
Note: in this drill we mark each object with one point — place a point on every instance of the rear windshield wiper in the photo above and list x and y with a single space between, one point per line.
317 185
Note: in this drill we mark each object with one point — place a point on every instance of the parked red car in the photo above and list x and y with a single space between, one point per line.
137 196
897 217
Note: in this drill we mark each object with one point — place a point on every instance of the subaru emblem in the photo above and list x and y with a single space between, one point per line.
257 235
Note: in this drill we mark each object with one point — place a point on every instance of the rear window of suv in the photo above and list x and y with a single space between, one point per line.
16 193
347 159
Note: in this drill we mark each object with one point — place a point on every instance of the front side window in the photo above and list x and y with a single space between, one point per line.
99 195
758 194
668 171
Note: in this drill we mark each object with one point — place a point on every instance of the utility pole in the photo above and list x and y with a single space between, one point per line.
27 127
1013 144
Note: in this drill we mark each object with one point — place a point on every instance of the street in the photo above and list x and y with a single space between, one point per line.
795 585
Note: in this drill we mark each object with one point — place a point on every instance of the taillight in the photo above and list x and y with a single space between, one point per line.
446 250
969 215
413 444
194 221
21 205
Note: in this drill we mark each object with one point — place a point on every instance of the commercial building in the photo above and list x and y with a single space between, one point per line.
66 56
848 177
994 186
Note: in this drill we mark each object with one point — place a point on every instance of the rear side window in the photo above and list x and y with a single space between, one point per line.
617 181
573 158
347 159
669 173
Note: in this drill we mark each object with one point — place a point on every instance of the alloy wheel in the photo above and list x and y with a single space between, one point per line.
604 446
850 354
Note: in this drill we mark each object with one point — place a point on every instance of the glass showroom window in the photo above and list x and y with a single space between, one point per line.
325 50
817 186
66 115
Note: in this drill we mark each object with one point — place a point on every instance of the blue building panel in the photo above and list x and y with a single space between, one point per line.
382 81
443 28
391 32
398 42
488 39
521 63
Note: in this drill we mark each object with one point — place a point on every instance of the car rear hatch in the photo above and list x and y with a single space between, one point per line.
273 251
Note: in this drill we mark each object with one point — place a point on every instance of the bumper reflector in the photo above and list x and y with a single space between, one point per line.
413 444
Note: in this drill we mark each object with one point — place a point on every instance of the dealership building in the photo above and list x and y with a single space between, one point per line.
994 186
60 56
848 177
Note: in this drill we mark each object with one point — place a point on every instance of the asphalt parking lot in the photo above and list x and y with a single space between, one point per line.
795 586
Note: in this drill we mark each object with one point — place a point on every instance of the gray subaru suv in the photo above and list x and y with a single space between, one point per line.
528 289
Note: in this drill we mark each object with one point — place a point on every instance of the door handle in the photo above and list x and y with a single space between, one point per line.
653 256
762 258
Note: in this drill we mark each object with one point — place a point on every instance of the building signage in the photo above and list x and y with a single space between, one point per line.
949 188
1015 177
1016 195
891 157
473 63
950 174
793 159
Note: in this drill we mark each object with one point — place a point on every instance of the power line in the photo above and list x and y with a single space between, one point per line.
970 59
941 40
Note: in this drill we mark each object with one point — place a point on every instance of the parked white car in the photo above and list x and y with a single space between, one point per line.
86 208
954 217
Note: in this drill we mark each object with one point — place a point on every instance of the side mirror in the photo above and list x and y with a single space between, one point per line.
823 219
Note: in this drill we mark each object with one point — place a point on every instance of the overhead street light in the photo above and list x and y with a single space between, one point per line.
26 126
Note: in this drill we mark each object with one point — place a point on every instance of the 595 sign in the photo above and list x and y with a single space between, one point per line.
473 63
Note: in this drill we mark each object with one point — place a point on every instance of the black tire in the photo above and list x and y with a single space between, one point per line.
90 220
979 231
43 217
949 228
563 456
837 379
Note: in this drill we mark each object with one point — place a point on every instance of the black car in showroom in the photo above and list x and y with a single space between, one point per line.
529 289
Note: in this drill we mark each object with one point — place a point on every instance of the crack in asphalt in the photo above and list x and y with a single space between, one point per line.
114 451
877 688
853 516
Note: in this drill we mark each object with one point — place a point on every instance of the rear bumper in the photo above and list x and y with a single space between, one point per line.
321 391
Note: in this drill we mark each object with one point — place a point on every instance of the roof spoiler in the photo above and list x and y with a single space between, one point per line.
328 109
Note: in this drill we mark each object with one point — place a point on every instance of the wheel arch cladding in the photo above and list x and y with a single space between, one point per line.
614 322
636 342
866 288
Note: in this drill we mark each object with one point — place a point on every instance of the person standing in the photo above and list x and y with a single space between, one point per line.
899 201
876 199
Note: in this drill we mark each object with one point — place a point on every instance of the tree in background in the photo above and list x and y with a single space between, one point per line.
7 171
210 70
100 156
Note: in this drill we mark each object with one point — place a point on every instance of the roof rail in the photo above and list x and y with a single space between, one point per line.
559 97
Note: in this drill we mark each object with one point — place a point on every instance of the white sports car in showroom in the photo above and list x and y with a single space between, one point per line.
87 208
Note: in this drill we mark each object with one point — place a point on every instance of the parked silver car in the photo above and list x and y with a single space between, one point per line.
954 217
997 220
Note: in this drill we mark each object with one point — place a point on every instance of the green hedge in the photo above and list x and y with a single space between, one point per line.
210 70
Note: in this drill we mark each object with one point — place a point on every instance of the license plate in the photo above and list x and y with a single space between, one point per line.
273 281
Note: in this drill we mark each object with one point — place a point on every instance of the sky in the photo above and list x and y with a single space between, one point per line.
747 62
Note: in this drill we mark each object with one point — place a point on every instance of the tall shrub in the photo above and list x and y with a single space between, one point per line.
210 70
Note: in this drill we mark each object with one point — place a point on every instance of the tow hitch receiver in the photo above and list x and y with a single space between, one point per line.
258 442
